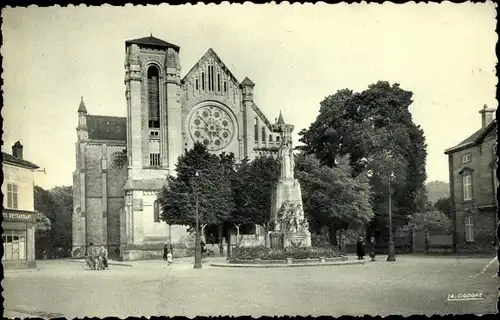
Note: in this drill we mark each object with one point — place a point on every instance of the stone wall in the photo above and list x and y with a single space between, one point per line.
483 191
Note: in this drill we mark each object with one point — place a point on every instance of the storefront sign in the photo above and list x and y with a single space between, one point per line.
19 216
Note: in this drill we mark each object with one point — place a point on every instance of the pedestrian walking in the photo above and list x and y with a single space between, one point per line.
371 248
360 248
169 259
165 252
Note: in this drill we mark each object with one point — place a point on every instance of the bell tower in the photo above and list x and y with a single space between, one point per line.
152 80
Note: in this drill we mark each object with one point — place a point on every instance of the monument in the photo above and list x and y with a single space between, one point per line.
291 229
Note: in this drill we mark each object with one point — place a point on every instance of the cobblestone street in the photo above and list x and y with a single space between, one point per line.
412 285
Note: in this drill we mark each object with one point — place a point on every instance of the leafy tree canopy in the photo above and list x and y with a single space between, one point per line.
431 221
200 175
443 205
332 197
253 186
56 205
375 128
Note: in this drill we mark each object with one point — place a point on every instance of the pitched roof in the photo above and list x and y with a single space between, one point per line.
474 139
10 159
107 128
82 108
152 42
280 119
211 53
247 82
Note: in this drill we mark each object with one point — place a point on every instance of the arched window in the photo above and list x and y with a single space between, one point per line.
270 138
263 134
278 139
153 97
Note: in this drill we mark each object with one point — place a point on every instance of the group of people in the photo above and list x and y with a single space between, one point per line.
361 247
97 257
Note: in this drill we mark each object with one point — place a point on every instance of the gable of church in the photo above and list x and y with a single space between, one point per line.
211 74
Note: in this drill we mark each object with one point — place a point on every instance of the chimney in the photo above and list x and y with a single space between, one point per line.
17 150
486 116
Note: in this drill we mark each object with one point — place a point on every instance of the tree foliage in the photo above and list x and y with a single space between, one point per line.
42 224
443 205
202 176
375 128
332 197
431 221
253 186
56 205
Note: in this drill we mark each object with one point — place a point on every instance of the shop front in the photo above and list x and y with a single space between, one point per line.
18 239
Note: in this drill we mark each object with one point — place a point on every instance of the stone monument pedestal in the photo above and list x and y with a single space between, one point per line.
295 240
276 240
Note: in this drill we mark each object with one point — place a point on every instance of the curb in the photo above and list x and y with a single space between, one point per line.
234 265
109 263
12 271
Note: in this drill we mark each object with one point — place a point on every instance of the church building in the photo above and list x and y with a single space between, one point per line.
115 202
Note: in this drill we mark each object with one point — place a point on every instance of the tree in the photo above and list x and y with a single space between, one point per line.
203 176
443 205
332 197
368 126
56 205
253 185
430 221
42 224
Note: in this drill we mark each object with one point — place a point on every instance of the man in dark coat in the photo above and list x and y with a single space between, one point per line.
371 248
360 248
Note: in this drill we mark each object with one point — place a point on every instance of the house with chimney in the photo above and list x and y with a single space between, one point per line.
19 216
473 183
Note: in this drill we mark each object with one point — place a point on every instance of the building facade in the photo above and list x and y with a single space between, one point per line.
473 186
19 216
115 205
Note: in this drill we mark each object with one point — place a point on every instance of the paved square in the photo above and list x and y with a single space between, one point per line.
412 285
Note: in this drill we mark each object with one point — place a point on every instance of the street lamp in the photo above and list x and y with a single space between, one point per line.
390 251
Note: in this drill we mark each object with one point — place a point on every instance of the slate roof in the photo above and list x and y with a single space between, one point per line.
152 42
107 128
473 139
10 159
247 82
82 108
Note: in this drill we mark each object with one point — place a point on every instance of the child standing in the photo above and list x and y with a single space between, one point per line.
169 259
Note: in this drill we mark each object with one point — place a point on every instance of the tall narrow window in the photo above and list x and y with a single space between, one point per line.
209 78
467 186
153 97
218 82
12 196
225 86
197 84
256 130
263 136
154 153
156 211
278 139
203 81
469 229
270 138
213 79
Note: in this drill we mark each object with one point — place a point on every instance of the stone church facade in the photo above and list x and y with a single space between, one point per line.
115 203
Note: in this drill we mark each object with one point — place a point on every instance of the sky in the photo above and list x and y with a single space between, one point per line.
295 54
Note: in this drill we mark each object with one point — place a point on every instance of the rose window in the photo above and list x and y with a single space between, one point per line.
211 126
